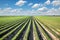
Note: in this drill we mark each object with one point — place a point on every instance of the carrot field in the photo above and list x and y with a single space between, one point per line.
29 27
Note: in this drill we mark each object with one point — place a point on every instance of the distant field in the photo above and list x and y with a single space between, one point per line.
29 28
8 19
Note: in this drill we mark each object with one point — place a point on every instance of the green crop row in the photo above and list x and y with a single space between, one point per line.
35 35
27 32
46 27
51 23
12 29
9 25
19 31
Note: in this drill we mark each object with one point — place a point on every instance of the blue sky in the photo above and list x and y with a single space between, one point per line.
29 7
11 3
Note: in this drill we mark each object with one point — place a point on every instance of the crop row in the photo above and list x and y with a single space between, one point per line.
29 28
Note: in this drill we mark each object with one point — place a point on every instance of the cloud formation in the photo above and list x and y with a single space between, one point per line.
20 3
35 8
47 2
36 5
56 3
42 9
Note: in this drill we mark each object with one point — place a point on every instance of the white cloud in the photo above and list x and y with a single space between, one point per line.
43 9
56 3
51 11
30 4
56 0
10 11
20 2
36 5
40 11
5 10
47 2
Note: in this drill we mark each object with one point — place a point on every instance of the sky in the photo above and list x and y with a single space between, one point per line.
29 7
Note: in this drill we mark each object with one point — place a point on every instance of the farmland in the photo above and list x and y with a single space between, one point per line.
29 27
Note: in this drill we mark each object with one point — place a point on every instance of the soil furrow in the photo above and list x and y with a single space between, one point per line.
21 35
44 30
1 35
8 26
39 34
13 33
30 36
